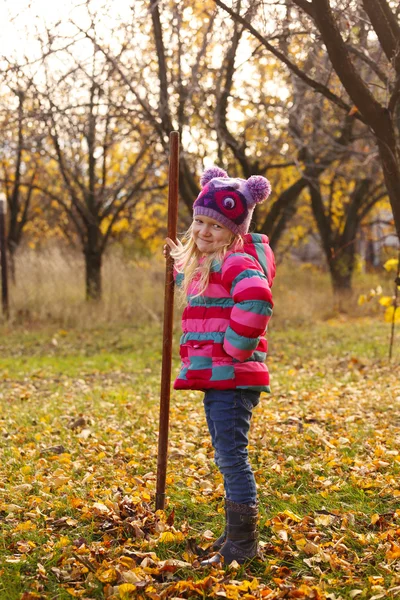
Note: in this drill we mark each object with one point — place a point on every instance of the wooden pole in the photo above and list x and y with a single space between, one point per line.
396 294
168 323
3 256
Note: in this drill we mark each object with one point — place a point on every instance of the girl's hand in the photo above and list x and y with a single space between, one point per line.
171 245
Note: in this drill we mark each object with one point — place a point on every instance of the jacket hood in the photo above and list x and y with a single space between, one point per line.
257 245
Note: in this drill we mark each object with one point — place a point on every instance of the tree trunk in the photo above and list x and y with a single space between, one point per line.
391 172
341 268
93 259
370 257
339 250
93 262
12 250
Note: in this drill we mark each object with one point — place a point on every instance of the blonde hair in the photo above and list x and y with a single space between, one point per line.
187 261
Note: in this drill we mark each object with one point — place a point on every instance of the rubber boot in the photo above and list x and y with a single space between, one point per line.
219 542
241 535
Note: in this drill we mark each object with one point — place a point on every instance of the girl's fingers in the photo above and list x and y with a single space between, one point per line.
172 244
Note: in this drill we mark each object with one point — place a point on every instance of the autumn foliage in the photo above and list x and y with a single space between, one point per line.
79 422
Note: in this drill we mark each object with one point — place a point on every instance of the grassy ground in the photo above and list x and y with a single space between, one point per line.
79 421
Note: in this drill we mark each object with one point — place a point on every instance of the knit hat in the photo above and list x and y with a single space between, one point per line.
230 201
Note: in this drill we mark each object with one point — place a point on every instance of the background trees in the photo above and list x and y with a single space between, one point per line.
258 94
355 34
19 153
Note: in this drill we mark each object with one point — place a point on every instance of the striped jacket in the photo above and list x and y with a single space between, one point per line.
223 344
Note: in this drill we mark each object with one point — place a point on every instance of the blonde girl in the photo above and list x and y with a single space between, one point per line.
226 275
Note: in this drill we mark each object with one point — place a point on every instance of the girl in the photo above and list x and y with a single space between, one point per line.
226 274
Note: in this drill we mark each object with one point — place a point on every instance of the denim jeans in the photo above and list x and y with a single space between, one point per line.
228 414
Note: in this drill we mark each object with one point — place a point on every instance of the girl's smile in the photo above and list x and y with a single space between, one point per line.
209 235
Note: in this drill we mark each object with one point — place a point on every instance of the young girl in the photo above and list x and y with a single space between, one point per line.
226 274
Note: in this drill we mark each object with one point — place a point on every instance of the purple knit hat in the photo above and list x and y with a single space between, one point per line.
229 201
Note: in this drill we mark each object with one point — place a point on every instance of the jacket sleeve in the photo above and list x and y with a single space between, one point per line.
243 277
178 277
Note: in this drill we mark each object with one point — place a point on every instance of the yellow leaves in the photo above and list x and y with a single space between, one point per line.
288 514
25 526
233 590
374 519
171 537
76 502
373 293
394 552
63 542
107 574
392 314
59 481
145 495
125 589
119 226
362 299
325 426
391 264
386 301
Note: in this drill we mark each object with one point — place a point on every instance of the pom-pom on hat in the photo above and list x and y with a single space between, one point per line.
230 201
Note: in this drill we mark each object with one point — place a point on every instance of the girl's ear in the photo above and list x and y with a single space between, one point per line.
210 173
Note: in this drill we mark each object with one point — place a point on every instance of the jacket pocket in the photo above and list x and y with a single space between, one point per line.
196 355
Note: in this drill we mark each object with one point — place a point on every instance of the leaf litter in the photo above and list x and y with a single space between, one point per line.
79 474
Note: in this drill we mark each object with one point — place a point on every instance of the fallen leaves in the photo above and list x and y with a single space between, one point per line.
79 462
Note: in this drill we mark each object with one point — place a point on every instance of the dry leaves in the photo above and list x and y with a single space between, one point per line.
78 485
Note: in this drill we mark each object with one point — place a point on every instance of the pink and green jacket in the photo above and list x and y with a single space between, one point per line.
223 343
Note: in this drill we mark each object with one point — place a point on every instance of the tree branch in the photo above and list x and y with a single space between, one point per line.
316 85
370 108
386 28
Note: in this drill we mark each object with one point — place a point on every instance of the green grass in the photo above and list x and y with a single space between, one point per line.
324 445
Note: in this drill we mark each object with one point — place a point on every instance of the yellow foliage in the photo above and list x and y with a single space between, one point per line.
391 264
63 542
121 225
393 553
169 537
362 300
392 315
107 575
386 301
25 526
125 589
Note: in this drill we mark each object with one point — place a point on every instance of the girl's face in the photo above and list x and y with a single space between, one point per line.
209 235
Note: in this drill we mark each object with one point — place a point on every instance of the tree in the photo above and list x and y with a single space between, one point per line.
187 90
375 22
336 156
100 146
19 154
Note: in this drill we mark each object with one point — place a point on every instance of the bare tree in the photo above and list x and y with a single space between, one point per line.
19 154
100 146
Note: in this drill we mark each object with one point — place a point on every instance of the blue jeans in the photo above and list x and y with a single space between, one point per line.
228 414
